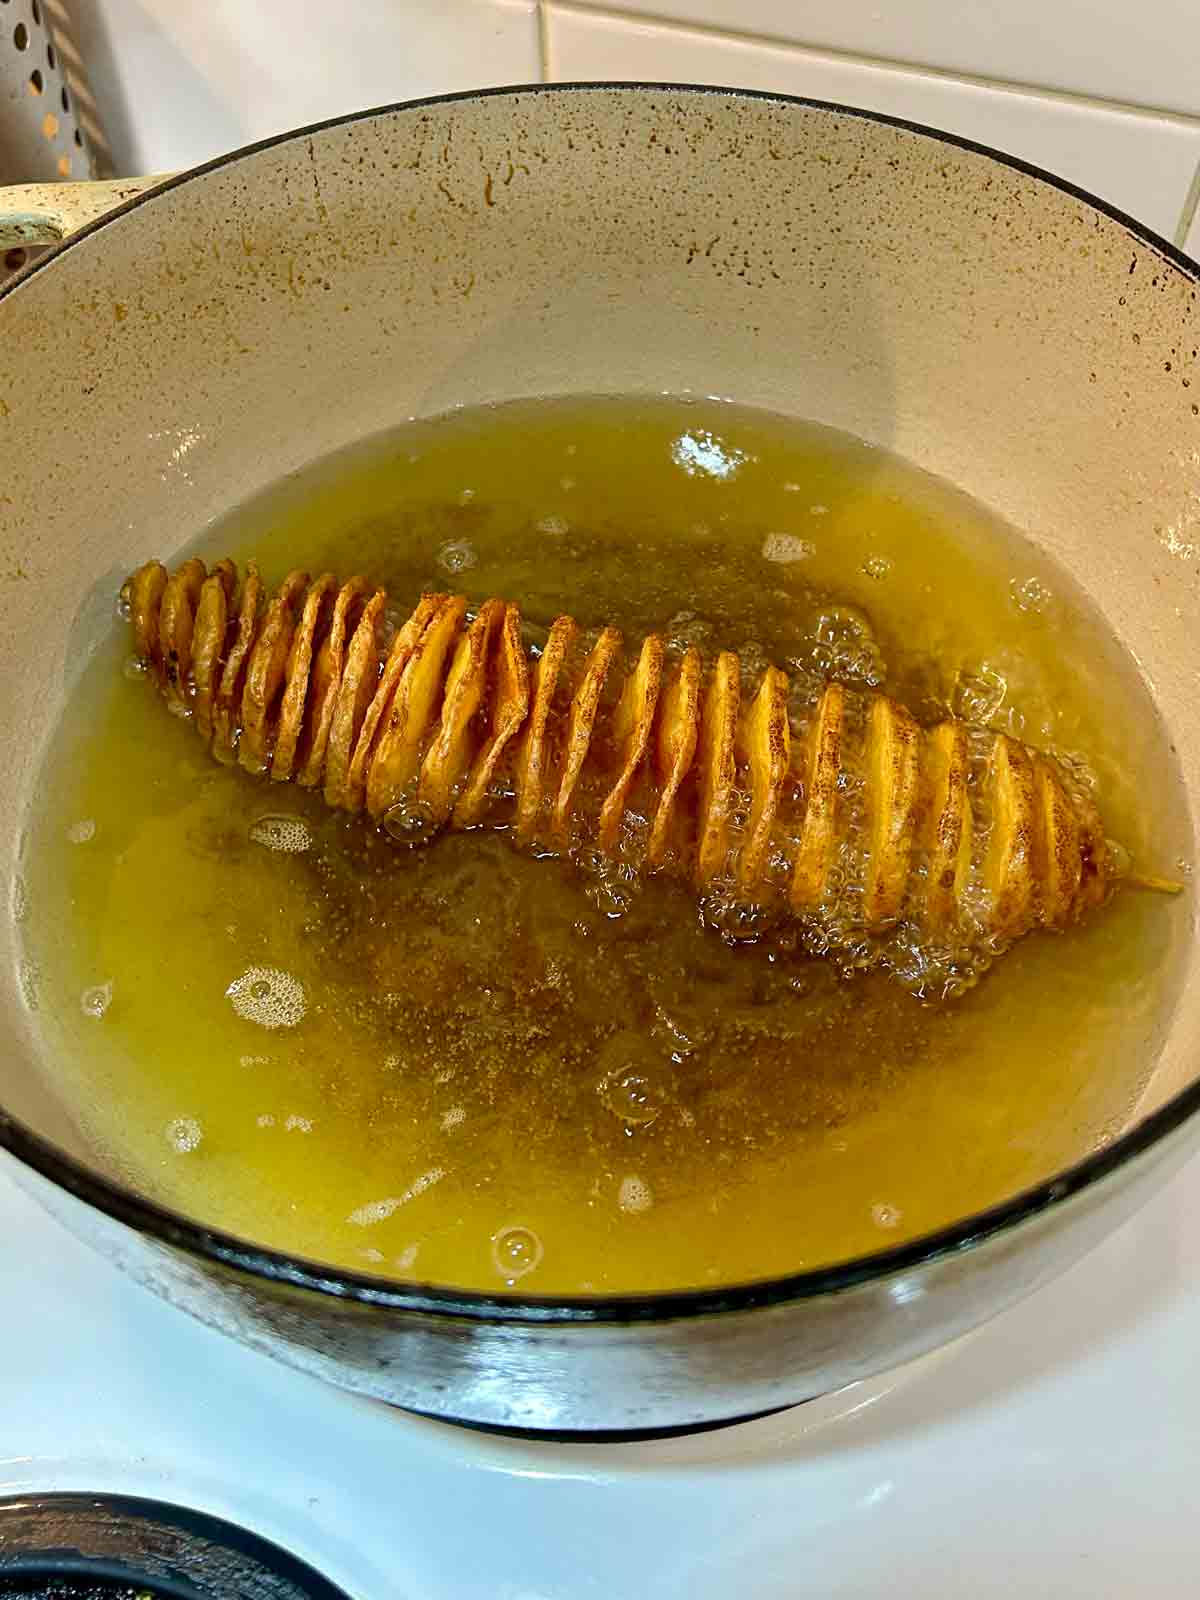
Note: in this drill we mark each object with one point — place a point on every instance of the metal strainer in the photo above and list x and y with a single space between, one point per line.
49 129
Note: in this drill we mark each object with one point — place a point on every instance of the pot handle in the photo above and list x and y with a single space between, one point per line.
33 214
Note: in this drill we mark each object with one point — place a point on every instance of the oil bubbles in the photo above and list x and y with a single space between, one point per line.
516 1251
457 556
632 1083
268 996
94 1002
184 1135
286 834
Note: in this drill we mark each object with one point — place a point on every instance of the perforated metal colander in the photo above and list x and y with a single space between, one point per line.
49 127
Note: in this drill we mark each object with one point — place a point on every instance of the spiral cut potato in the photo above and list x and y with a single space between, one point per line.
856 825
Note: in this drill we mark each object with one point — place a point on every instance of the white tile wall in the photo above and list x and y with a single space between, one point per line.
1192 243
1142 162
1146 53
179 81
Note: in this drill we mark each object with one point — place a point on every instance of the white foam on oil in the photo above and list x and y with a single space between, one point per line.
634 1194
28 978
81 832
452 1118
94 1002
374 1211
184 1135
1030 594
288 835
268 996
786 547
380 1210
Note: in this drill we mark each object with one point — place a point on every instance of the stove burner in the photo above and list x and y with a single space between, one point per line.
115 1547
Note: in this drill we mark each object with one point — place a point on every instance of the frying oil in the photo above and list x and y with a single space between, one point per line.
464 1065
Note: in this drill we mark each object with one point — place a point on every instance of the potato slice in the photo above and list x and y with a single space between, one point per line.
893 746
633 721
1059 861
226 570
534 756
1012 848
1096 877
297 675
176 624
510 698
945 831
818 832
325 682
767 741
581 723
208 642
449 756
359 678
265 672
715 766
380 703
143 594
418 695
674 749
229 690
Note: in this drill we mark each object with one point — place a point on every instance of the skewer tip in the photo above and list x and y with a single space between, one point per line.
1155 885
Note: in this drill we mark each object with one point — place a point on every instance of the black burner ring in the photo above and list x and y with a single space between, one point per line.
116 1547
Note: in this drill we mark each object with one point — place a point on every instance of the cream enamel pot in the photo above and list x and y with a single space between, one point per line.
991 324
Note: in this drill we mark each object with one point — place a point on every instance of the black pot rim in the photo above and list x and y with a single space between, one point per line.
173 1228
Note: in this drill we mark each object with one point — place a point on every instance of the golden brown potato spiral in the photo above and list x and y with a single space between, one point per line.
841 811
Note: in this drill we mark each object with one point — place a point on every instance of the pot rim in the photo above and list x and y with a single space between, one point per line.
227 1250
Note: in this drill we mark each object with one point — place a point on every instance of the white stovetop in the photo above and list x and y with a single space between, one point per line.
1057 1452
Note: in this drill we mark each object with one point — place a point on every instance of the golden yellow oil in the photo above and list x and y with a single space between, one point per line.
496 1073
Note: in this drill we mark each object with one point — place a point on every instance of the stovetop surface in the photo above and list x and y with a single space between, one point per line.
1057 1451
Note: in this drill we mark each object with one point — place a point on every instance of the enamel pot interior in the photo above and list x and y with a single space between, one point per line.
995 328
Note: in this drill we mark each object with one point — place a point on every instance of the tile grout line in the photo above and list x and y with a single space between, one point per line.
543 33
1187 216
887 63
